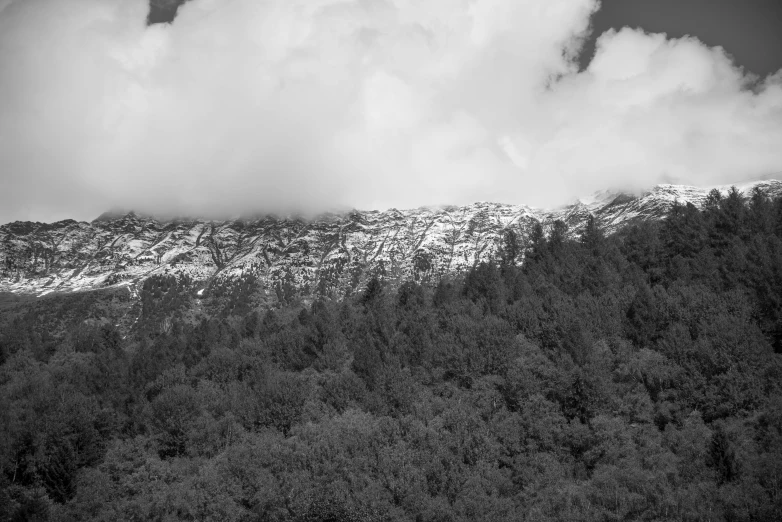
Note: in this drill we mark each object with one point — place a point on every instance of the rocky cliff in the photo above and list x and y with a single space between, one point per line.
332 255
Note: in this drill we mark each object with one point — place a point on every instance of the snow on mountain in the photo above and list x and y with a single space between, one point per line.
332 255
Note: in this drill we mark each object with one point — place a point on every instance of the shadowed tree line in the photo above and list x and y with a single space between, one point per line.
630 377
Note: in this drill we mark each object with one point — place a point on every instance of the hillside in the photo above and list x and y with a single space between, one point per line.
634 376
333 255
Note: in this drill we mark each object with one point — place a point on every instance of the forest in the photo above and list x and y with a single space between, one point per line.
636 376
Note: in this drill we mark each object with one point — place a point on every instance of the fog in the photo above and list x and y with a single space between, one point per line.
241 106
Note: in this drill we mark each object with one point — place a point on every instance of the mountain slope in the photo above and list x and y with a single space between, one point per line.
332 255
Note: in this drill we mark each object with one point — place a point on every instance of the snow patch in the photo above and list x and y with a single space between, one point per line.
336 250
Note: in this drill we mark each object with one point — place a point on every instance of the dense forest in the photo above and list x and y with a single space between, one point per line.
630 377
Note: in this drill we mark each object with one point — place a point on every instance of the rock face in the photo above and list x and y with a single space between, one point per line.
333 255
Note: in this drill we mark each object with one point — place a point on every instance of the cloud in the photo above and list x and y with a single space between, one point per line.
242 106
649 109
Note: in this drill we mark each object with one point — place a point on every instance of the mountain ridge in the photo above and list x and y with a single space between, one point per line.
332 255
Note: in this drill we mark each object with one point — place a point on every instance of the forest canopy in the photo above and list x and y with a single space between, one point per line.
631 377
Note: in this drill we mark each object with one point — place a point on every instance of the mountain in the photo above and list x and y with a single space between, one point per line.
283 257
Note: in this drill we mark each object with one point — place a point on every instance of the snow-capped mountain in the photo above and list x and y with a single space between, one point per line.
332 255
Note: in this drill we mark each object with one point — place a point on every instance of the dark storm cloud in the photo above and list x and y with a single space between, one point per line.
253 106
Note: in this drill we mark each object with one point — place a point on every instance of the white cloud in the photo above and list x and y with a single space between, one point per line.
243 105
651 109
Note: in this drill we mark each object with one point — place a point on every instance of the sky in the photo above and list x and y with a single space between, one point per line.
239 106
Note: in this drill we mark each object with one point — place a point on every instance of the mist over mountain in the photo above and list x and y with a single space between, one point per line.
619 358
288 257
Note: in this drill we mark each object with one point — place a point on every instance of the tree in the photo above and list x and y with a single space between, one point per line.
592 236
683 232
372 293
173 413
537 246
484 285
510 250
761 218
558 236
730 221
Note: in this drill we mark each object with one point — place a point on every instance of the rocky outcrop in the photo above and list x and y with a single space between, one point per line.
332 255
